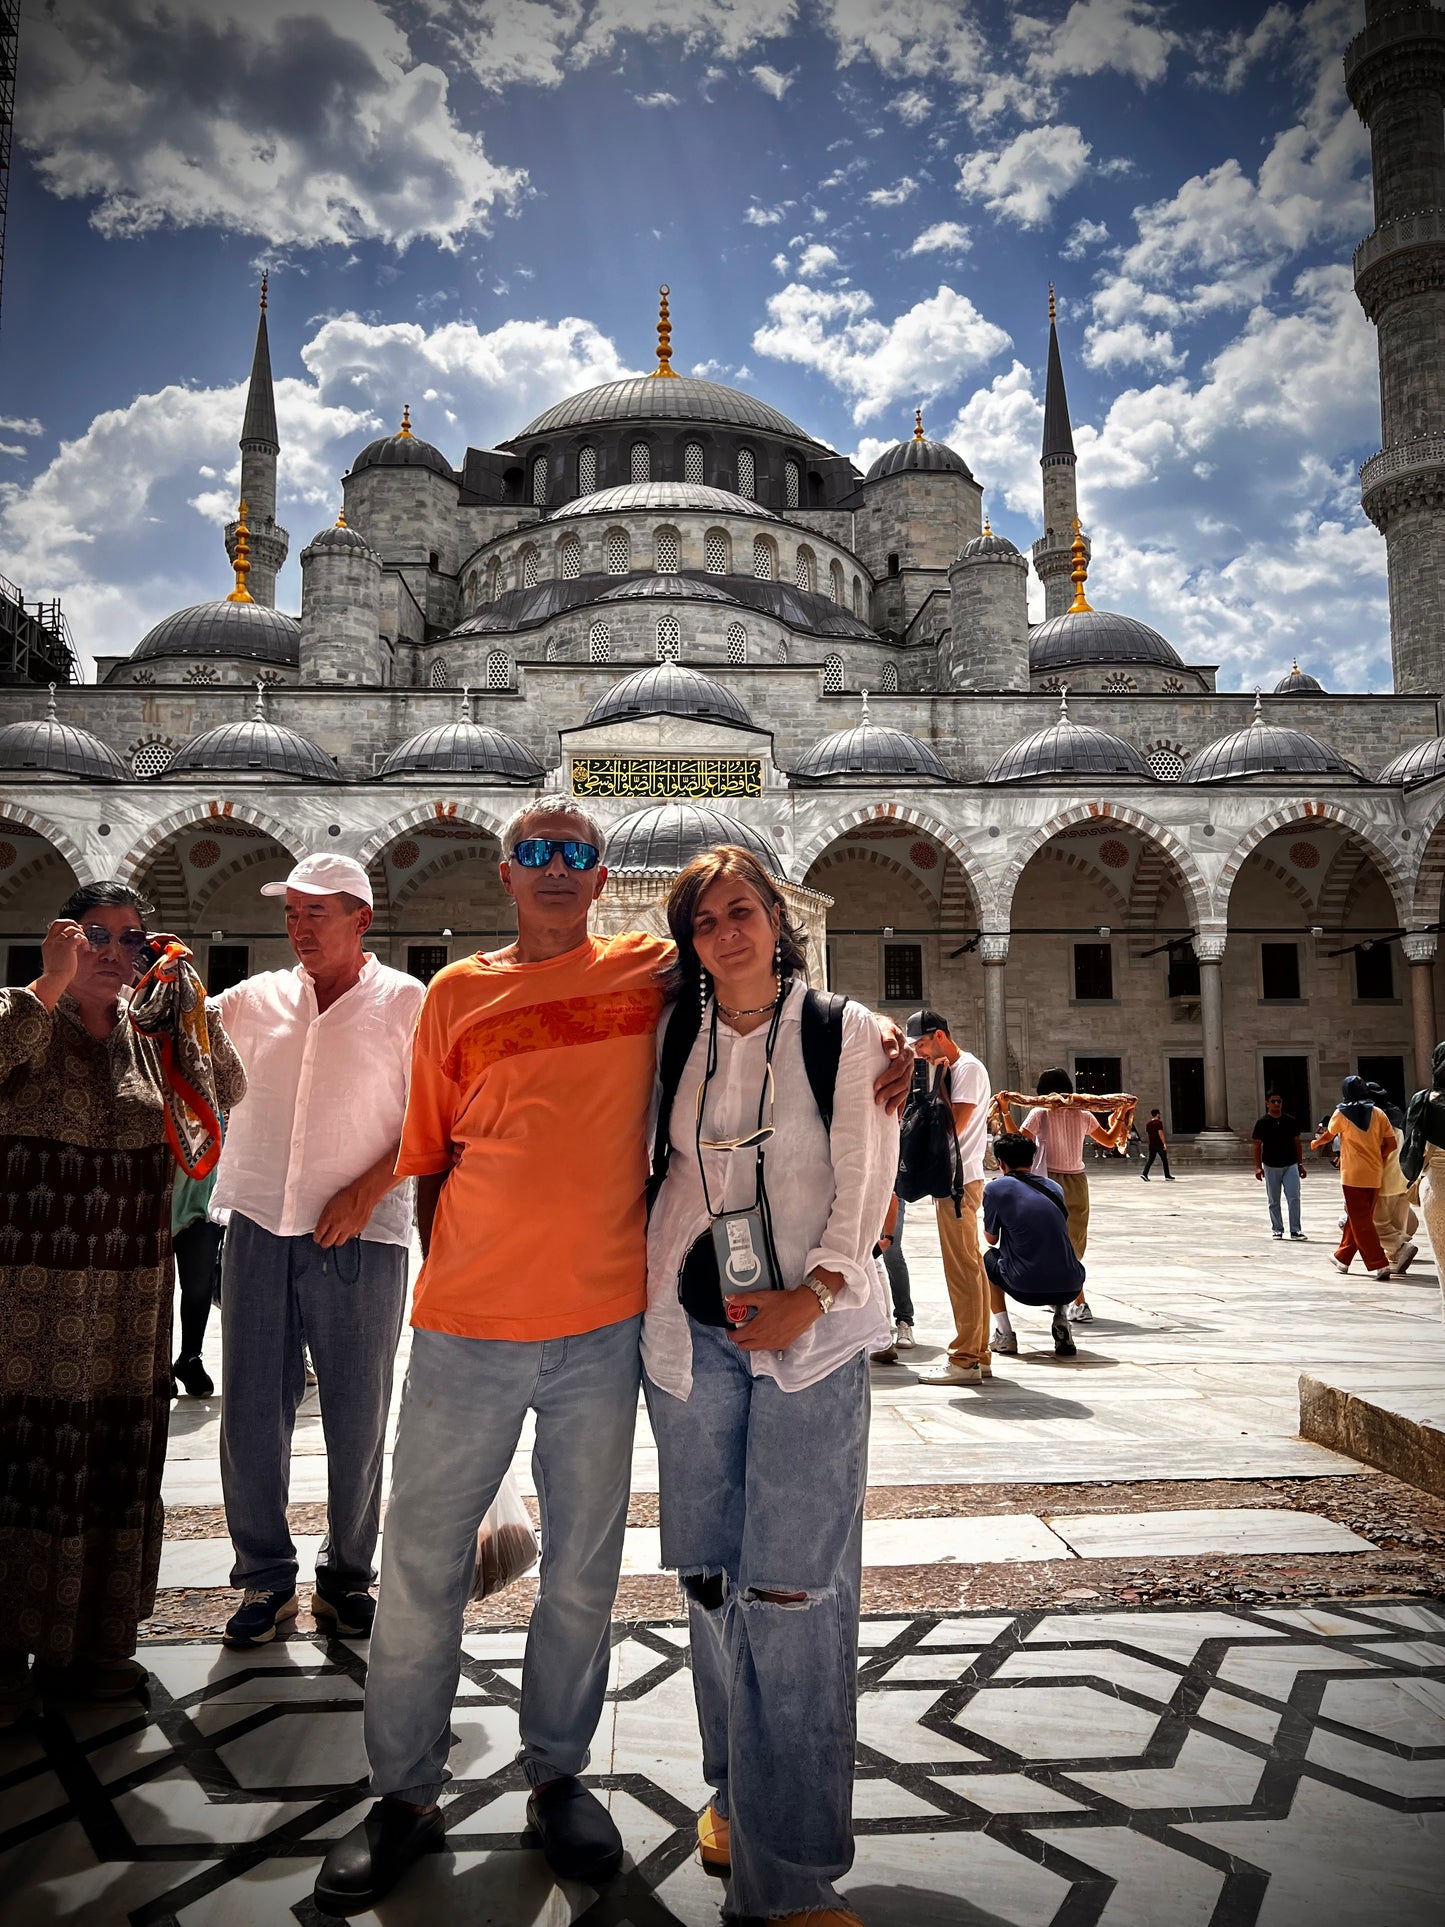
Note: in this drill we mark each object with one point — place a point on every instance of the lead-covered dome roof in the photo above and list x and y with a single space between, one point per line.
1265 749
403 450
1298 682
870 750
1068 748
633 497
681 398
668 838
253 747
463 748
244 630
806 610
342 539
988 547
52 748
935 458
1420 764
669 689
1097 635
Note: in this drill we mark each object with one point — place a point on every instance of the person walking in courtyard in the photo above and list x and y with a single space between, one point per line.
1366 1141
963 1082
1060 1132
1422 1157
316 1247
1158 1148
196 1240
1030 1256
1279 1163
900 1285
1395 1218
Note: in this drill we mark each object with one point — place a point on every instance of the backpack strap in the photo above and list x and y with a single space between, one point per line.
677 1042
822 1040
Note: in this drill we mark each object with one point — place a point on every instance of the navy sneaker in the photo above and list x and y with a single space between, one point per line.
345 1615
255 1622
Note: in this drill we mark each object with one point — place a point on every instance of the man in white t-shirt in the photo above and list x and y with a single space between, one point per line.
968 1093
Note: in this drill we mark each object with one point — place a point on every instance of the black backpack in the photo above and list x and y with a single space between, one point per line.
822 1039
929 1164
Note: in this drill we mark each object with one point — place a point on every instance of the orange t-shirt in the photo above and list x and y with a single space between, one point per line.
1362 1153
532 1084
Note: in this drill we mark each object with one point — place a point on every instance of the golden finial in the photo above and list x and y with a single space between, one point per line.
664 336
1053 306
987 526
918 424
1079 575
243 557
265 283
1294 666
341 518
405 429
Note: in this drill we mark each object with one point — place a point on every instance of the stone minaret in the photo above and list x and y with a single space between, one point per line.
1052 552
1395 73
259 450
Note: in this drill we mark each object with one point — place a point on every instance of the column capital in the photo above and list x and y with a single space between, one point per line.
993 947
1420 945
1209 946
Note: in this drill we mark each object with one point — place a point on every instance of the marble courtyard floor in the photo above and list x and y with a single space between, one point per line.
1133 1652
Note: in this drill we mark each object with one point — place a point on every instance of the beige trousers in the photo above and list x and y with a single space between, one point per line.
1432 1204
965 1277
1395 1221
1075 1187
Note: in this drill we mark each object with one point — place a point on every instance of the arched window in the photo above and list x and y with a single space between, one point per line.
805 570
469 590
586 471
1166 764
692 463
549 654
832 675
539 481
765 562
737 642
669 639
792 484
890 679
1120 684
641 462
150 758
617 551
716 552
499 669
494 579
200 672
529 568
569 558
599 642
857 598
835 580
439 678
667 552
747 475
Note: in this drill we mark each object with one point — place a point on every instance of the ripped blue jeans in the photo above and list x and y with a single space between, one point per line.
762 1516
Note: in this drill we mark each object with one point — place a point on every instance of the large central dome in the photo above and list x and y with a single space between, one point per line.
683 398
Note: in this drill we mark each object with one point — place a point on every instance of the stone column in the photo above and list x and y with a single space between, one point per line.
1419 946
993 953
1210 952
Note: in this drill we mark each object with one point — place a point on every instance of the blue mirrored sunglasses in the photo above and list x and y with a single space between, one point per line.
536 852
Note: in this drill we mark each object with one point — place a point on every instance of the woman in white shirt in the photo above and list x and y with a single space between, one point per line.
762 1425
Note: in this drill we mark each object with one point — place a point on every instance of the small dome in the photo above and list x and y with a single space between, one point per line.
254 745
463 748
244 630
633 497
1068 748
403 450
935 458
1265 749
669 837
683 398
668 689
343 539
1096 635
988 547
870 751
1421 764
59 749
1298 683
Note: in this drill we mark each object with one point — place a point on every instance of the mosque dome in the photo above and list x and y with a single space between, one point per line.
692 588
1265 749
463 748
635 497
342 539
679 398
1094 636
1298 683
669 836
918 454
669 689
253 747
246 631
1068 748
1419 764
869 750
403 450
988 547
51 748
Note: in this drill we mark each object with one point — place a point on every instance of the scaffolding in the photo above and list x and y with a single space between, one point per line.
9 44
35 640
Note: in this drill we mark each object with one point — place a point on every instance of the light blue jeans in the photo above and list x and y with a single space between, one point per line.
1277 1178
461 1416
762 1493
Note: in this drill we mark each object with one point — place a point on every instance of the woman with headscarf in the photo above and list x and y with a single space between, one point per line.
1422 1155
1395 1218
1366 1141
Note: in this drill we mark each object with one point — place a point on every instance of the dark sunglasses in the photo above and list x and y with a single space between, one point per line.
133 942
536 852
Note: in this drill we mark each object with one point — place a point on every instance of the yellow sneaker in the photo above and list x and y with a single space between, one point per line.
713 1842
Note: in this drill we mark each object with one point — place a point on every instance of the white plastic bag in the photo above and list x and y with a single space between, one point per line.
506 1542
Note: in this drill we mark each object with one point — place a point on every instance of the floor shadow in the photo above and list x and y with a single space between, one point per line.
919 1907
1021 1404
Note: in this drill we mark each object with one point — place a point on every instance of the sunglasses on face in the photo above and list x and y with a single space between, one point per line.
132 942
536 852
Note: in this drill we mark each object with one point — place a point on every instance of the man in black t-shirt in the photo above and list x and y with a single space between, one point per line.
1279 1162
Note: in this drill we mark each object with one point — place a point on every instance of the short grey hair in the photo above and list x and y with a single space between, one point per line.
515 827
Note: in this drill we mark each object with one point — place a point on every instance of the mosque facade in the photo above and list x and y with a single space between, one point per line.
664 598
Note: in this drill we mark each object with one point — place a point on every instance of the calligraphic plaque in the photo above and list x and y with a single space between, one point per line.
672 778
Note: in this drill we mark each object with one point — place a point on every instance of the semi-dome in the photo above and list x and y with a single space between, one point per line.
244 630
680 587
1097 635
806 610
1265 749
669 689
403 450
1298 683
51 748
253 746
342 539
463 748
919 454
682 398
1068 748
668 837
869 751
988 547
641 497
1420 764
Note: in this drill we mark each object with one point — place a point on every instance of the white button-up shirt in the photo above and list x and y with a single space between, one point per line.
326 1095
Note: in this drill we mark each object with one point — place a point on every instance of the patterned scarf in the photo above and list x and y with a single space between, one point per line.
168 1005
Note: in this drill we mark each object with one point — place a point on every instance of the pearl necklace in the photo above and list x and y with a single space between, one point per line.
756 1010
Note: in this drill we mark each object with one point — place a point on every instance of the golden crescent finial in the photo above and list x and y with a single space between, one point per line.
1079 574
1053 306
405 429
664 336
918 424
341 518
242 562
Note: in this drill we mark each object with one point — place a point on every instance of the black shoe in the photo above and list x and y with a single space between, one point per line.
366 1863
194 1376
255 1620
1064 1346
345 1615
579 1837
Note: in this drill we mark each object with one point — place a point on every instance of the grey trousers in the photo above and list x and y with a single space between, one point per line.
347 1304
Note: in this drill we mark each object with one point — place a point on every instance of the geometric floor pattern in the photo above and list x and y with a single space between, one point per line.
1280 1766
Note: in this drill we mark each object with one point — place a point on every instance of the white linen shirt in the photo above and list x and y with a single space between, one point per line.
968 1084
326 1095
828 1197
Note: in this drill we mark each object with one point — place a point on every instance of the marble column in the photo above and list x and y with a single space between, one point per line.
993 952
1210 952
1420 946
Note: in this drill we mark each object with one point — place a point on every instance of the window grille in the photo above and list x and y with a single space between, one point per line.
857 598
1165 765
599 642
737 642
617 552
569 557
747 475
666 552
1174 686
792 481
149 759
763 567
641 462
835 579
439 678
1119 684
692 463
715 552
1093 973
144 675
499 669
549 654
804 573
890 679
529 567
903 973
586 471
539 481
199 672
669 639
832 675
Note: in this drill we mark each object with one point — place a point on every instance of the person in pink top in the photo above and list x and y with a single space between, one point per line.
1060 1134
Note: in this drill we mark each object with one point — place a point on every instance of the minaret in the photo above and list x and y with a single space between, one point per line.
1053 552
1395 74
259 449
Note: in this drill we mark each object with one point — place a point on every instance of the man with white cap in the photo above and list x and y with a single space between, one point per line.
316 1248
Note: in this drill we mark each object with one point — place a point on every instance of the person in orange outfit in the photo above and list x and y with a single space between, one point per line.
1366 1141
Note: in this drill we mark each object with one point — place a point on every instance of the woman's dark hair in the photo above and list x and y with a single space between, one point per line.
1054 1081
727 860
1014 1150
112 894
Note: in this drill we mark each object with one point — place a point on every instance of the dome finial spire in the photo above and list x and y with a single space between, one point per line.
243 557
50 714
1053 305
1258 705
265 284
1294 665
404 432
341 518
918 424
1079 574
1063 701
464 714
259 712
865 709
664 336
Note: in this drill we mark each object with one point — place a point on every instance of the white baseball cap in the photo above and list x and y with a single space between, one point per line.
325 876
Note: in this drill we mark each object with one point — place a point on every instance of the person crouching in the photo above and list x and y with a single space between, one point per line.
1030 1256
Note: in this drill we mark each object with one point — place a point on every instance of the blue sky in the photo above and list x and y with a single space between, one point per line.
468 204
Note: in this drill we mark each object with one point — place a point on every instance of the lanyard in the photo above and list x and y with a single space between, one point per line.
760 1193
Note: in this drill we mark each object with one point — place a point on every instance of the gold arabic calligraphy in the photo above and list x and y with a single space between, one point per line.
669 776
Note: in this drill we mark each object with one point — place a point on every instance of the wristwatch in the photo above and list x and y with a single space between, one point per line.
819 1290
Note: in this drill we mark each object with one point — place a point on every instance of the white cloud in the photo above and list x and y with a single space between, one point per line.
772 82
537 43
782 263
944 237
656 100
1131 342
1024 179
1084 235
816 260
923 353
912 107
756 216
925 40
902 190
518 43
22 425
300 122
1097 35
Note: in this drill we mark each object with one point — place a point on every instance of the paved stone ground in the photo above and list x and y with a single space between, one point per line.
1134 1651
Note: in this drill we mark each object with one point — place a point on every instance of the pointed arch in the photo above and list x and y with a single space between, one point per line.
1429 880
197 813
1194 888
62 844
979 881
843 852
1314 810
442 810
